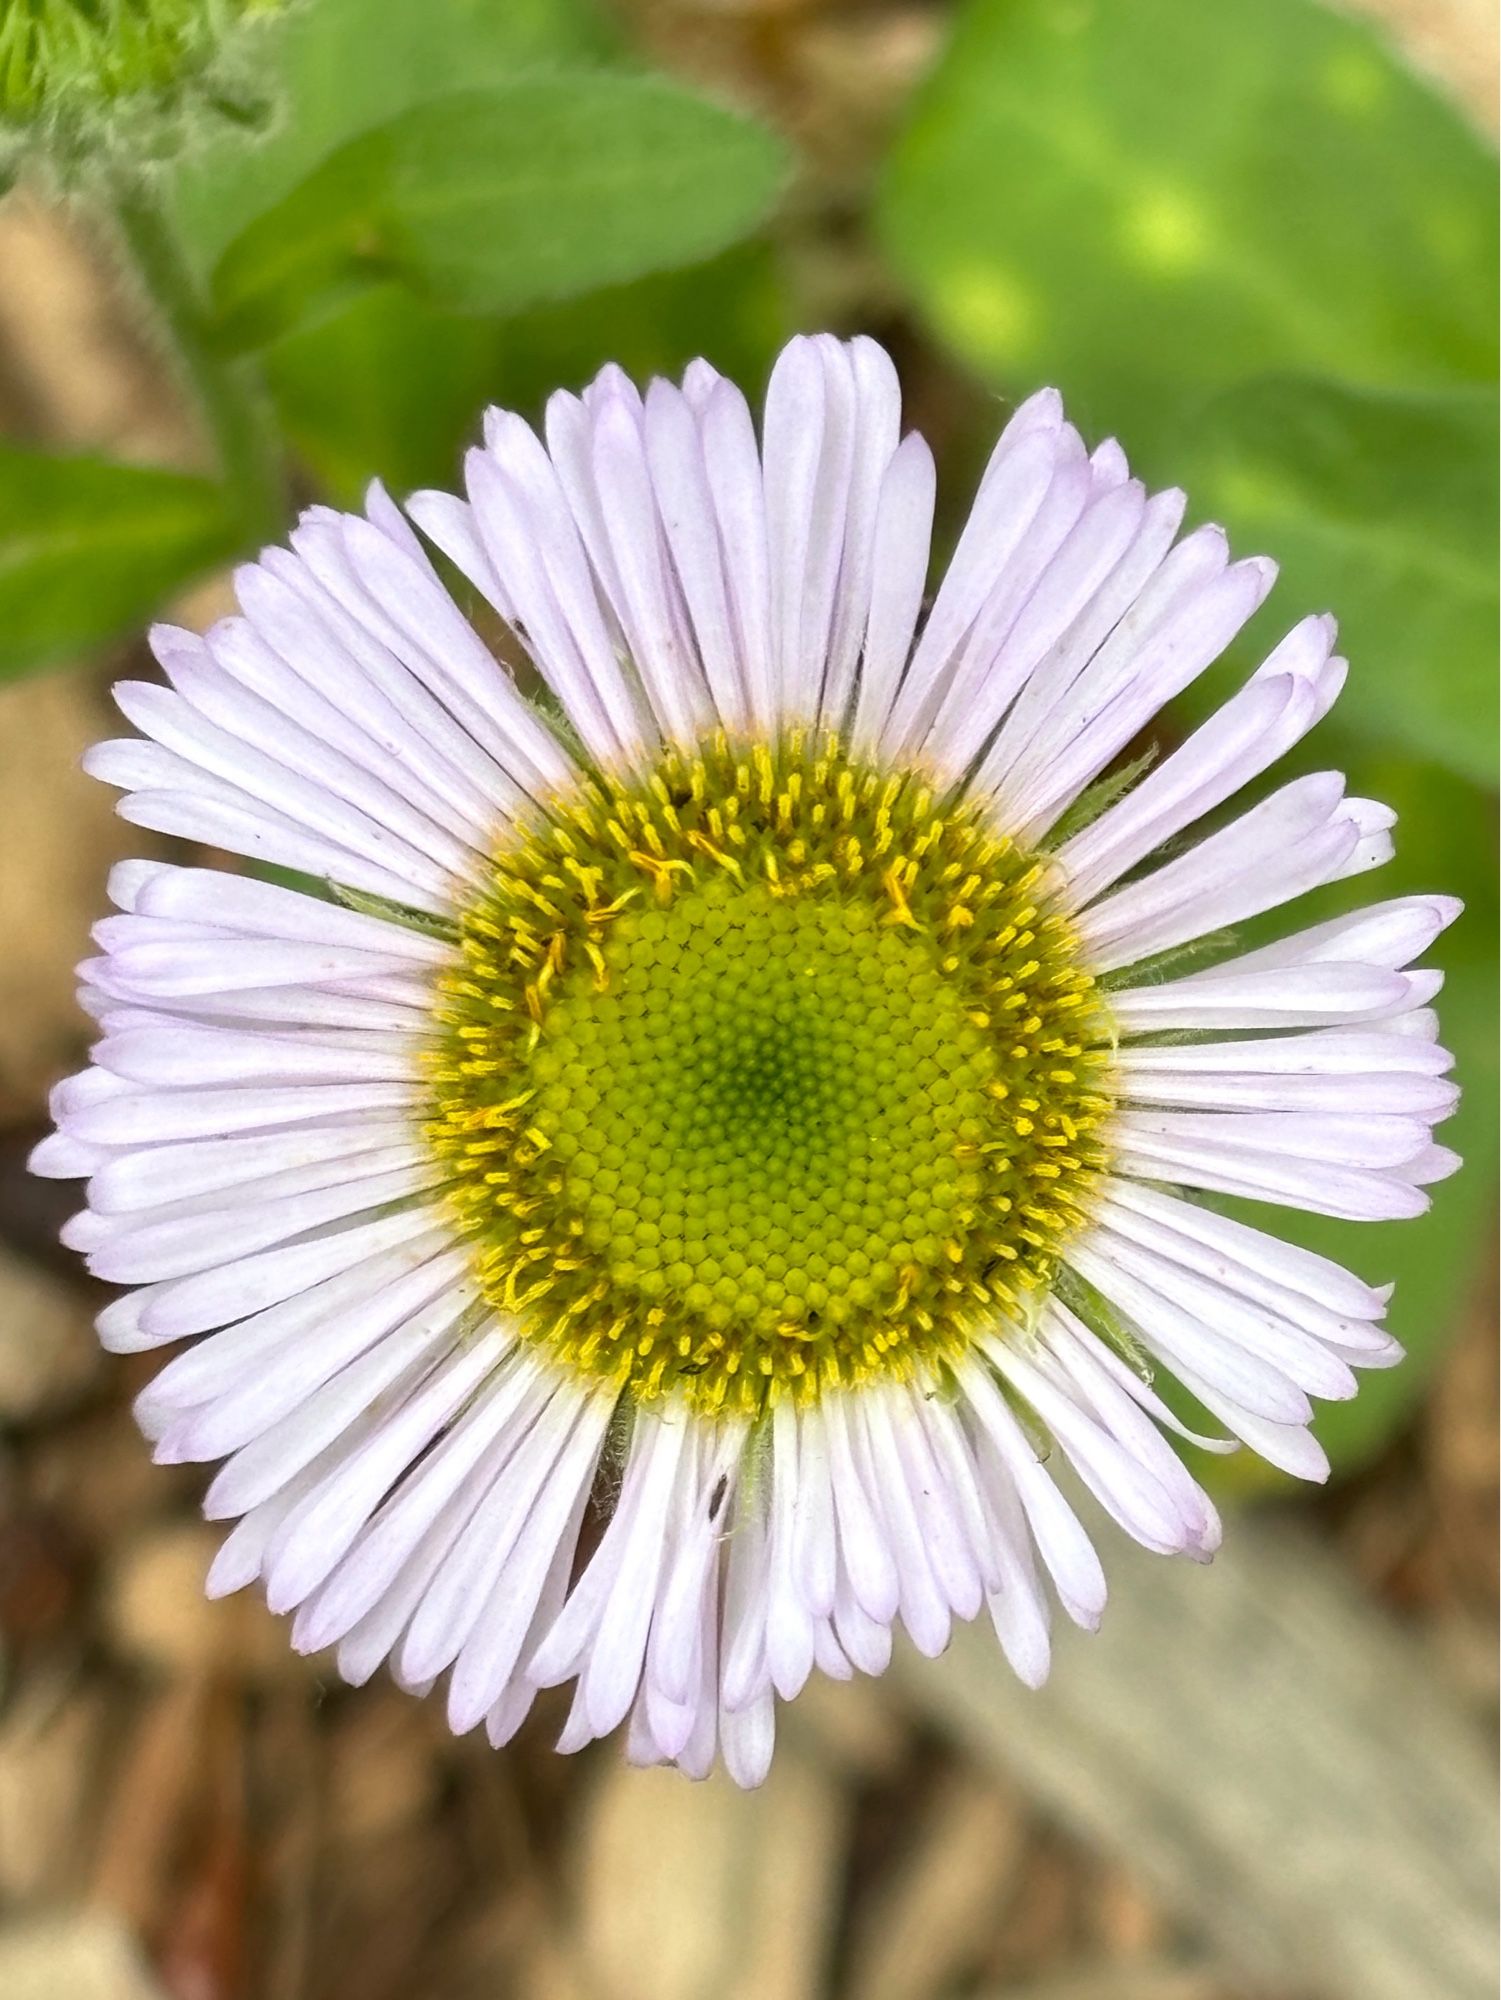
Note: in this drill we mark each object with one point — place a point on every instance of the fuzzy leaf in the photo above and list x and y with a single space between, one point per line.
1381 507
339 67
491 201
1144 200
89 549
393 385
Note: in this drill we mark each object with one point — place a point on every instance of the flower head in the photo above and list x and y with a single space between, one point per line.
756 1114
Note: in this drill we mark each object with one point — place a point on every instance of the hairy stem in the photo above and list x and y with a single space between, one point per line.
225 389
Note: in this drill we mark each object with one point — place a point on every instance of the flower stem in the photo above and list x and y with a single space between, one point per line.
228 396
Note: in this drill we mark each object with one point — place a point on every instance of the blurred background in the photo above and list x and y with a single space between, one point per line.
1254 239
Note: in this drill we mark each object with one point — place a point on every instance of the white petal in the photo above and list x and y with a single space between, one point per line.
734 471
807 454
1286 845
312 626
789 1621
153 1117
1276 706
681 482
1108 714
873 1437
747 1738
866 1559
1003 512
1390 934
648 604
1224 1168
491 1653
1234 1252
1299 996
186 1056
418 619
899 571
149 1176
244 1285
1350 1141
1061 1542
1188 1345
324 1525
233 1385
1021 626
1117 1476
877 427
449 1483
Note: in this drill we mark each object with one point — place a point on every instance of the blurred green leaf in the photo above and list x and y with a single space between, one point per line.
1144 200
1380 506
394 386
732 310
341 66
490 201
89 549
390 387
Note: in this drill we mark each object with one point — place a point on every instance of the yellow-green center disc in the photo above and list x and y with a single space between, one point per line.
764 1071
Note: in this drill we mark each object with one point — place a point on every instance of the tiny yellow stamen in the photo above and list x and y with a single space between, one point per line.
756 1072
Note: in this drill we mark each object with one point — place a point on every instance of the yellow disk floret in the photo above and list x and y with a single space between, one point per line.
765 1071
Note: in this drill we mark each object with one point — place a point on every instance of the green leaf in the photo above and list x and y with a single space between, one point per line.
390 387
89 549
732 310
490 201
342 66
1381 507
1143 200
394 386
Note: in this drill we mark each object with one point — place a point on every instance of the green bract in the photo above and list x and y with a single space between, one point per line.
79 69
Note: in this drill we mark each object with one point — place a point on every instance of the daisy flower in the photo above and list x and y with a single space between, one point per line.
719 1150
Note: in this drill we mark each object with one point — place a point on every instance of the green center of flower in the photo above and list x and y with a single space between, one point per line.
766 1071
